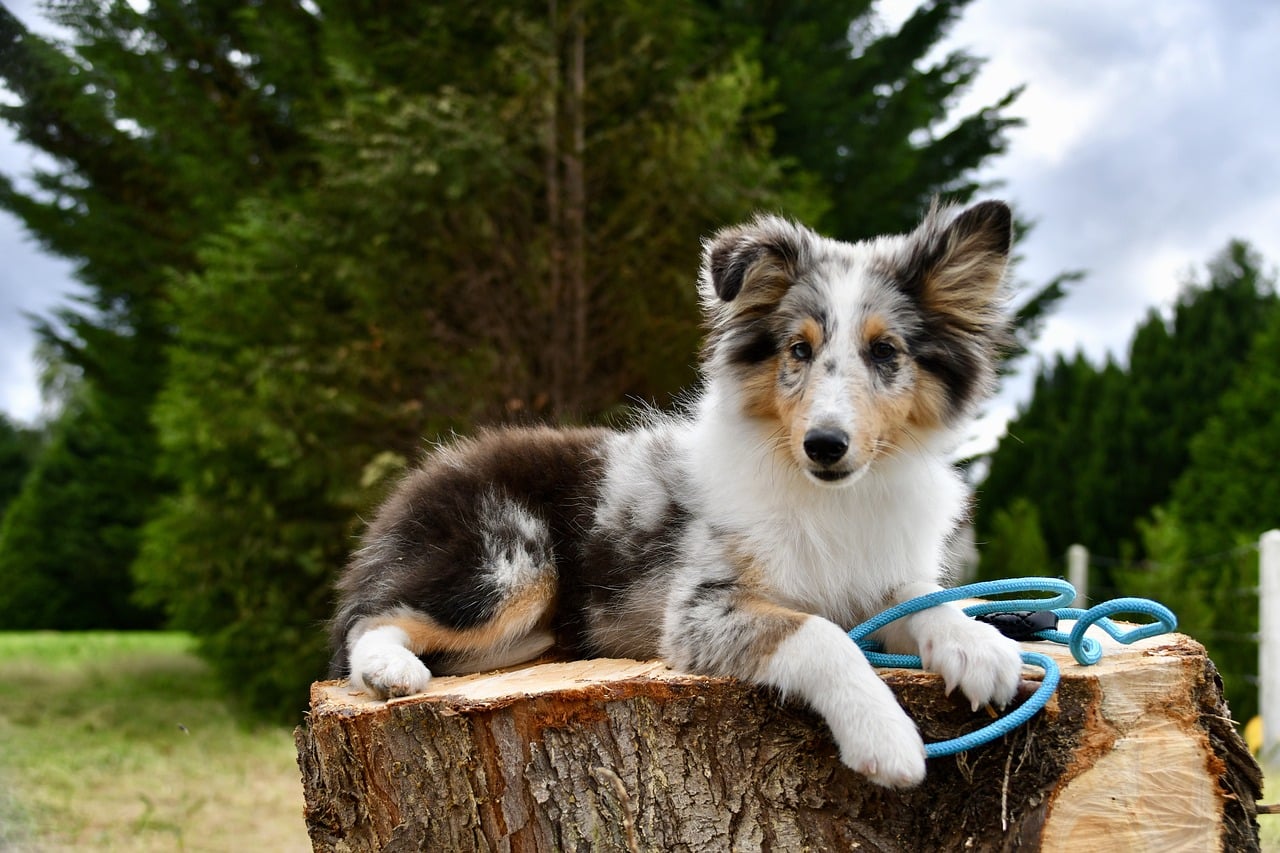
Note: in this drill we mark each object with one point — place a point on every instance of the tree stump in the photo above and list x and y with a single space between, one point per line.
1136 753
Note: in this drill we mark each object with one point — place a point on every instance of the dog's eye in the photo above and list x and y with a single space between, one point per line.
883 352
802 351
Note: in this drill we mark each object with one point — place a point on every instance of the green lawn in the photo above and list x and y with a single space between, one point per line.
120 741
1271 823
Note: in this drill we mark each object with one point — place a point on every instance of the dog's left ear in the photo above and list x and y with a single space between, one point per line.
957 267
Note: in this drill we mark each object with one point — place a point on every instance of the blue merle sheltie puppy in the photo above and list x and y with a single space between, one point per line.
804 489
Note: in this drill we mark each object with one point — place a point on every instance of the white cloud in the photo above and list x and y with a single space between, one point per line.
1151 140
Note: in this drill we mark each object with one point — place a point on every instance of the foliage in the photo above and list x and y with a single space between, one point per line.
1224 499
1036 462
1096 449
1164 467
58 567
156 122
863 112
405 294
1164 575
1017 547
18 448
366 227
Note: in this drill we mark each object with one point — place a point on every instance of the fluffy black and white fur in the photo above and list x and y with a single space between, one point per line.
806 488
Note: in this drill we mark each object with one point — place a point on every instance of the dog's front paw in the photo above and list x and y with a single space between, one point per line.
881 744
982 662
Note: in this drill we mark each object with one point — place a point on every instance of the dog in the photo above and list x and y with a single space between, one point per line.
802 489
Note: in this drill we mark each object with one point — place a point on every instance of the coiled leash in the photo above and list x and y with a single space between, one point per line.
1020 619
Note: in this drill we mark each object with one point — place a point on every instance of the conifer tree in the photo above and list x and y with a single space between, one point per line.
157 122
1095 451
1017 546
860 109
1224 499
360 228
414 279
18 448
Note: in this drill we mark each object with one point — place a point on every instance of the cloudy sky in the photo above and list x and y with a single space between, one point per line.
1152 137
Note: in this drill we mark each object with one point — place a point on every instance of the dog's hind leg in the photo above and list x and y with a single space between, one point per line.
479 600
385 649
383 661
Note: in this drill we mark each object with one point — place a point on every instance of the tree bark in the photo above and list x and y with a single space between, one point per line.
1135 753
557 350
568 290
576 209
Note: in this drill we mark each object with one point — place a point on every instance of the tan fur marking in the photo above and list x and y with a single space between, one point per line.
793 414
760 390
772 622
764 397
877 427
520 614
928 402
811 331
874 328
763 286
775 622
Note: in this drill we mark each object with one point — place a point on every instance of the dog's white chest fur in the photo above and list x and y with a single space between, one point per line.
837 552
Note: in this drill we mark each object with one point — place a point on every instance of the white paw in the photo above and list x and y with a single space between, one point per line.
398 675
982 662
382 664
881 743
874 735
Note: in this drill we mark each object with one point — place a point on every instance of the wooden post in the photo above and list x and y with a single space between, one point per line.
1078 574
1135 753
1269 643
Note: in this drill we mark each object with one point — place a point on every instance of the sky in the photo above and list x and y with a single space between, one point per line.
1152 138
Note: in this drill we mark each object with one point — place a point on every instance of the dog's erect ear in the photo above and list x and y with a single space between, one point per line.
957 263
762 253
953 267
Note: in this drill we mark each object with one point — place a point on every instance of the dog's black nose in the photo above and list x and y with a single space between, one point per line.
825 446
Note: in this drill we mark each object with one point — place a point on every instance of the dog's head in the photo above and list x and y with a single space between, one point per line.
853 351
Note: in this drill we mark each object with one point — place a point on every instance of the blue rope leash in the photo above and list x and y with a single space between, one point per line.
1085 650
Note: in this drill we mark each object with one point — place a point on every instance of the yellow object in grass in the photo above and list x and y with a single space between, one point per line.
1253 734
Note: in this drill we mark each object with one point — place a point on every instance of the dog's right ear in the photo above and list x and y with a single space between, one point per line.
762 255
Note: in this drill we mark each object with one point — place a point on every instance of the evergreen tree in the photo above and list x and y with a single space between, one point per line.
1097 450
413 290
860 109
18 448
365 227
157 122
1177 380
1017 547
1226 497
1039 459
72 530
1164 574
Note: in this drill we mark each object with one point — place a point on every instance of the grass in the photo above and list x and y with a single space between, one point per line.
121 741
1270 824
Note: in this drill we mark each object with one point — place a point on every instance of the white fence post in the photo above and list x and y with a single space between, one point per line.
1269 642
1078 574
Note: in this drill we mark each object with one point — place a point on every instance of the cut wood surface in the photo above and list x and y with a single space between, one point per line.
1135 753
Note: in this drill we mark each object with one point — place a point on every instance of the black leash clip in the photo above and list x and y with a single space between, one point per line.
1021 625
